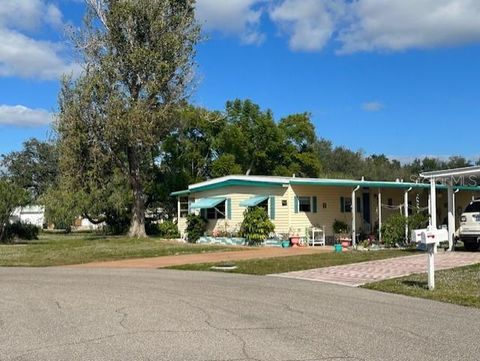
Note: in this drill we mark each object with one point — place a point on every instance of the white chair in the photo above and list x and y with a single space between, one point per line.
317 236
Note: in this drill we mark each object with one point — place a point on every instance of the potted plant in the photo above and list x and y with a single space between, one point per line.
294 238
340 229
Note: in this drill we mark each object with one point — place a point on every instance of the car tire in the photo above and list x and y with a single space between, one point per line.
471 246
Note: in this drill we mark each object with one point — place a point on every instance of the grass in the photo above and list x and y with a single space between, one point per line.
53 249
460 286
297 263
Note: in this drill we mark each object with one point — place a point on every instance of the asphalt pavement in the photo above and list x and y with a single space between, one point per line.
131 314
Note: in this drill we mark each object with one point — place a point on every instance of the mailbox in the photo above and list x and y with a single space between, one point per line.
429 235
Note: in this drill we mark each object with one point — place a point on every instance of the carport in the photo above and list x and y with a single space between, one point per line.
453 179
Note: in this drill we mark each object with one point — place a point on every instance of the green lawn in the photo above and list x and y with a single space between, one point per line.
458 285
297 263
60 249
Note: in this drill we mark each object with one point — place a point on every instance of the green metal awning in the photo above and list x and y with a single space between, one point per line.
254 201
204 203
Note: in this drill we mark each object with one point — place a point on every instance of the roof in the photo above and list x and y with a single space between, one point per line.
455 172
274 181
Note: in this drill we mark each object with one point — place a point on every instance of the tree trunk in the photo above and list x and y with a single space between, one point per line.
137 225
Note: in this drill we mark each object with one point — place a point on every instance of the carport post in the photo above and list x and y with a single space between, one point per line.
433 203
405 207
379 215
451 216
354 216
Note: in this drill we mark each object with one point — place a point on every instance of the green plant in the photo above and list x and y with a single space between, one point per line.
393 230
168 229
339 227
256 225
23 231
196 227
11 197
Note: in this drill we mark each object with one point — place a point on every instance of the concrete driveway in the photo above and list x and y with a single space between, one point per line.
357 274
130 314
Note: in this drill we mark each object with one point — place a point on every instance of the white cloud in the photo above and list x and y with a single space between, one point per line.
20 53
372 106
310 24
232 17
19 115
399 25
377 25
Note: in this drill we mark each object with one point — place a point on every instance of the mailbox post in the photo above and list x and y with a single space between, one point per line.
430 237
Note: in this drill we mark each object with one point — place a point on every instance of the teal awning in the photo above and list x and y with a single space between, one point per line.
254 201
204 203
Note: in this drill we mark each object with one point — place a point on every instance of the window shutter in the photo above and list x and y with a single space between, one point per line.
272 207
229 208
295 204
314 204
342 204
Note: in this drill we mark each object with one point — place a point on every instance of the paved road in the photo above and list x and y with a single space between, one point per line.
104 314
357 274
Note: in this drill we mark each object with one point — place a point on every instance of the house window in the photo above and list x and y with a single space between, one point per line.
284 202
217 212
345 205
183 203
304 204
264 205
390 201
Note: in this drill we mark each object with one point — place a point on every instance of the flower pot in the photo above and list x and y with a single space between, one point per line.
295 240
285 244
345 243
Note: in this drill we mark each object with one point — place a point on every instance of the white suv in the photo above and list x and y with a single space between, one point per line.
470 226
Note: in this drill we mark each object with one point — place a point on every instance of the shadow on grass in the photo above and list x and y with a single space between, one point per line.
415 284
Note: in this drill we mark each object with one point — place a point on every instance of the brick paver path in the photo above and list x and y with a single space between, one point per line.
358 274
168 261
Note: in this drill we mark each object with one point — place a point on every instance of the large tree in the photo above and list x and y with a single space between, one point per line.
139 61
33 168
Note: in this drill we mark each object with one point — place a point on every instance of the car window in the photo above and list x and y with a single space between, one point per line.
473 207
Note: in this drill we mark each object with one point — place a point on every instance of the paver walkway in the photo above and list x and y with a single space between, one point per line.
168 261
358 274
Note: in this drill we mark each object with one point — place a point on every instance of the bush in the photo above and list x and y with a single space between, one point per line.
196 227
23 231
166 229
339 227
393 231
256 225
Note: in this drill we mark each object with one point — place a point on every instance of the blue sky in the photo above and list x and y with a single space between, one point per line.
393 77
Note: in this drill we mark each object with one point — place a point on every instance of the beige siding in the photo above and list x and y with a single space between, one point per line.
238 194
287 221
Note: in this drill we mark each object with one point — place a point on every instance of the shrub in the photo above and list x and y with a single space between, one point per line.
393 230
11 196
339 227
23 231
256 225
168 229
196 227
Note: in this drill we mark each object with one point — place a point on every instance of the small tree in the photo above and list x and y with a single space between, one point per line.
11 197
196 227
256 225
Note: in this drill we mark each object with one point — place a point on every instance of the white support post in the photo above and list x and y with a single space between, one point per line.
433 203
451 216
405 207
354 217
379 215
